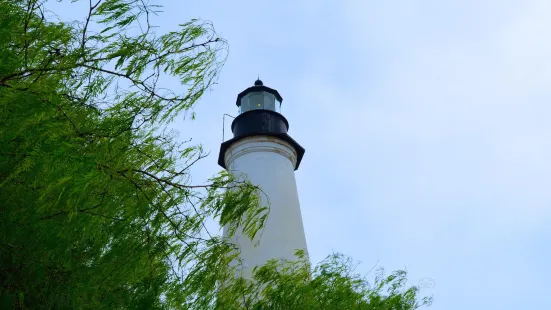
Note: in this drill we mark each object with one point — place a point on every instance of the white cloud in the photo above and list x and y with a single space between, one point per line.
477 105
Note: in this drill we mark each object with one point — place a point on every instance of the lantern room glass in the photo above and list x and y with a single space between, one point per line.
259 101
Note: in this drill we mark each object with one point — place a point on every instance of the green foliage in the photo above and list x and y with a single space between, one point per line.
331 284
97 206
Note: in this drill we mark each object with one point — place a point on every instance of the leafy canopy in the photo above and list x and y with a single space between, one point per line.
97 206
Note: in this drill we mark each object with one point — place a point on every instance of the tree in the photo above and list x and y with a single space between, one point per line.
97 205
332 284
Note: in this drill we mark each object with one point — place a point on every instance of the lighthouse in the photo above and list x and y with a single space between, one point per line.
262 152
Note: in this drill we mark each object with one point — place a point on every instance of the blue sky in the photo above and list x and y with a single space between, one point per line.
426 130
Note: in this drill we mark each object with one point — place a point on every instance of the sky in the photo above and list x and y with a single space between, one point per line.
425 128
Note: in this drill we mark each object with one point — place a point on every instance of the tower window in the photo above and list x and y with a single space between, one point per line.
259 101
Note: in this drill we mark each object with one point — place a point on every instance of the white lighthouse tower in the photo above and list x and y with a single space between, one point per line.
263 152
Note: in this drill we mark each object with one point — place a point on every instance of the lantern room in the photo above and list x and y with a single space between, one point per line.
259 115
259 97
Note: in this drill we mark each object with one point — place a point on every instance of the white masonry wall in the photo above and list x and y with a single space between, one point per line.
269 162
